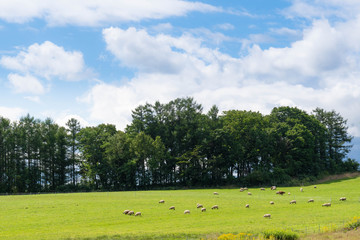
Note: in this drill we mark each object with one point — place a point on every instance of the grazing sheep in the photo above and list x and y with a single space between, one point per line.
138 214
293 202
216 193
172 208
289 193
326 205
242 189
267 215
203 209
273 188
198 205
187 212
245 188
262 189
315 186
130 213
280 192
272 202
162 201
342 199
126 211
247 206
301 189
215 207
310 200
249 193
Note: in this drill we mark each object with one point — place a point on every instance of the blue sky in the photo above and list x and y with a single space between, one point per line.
96 60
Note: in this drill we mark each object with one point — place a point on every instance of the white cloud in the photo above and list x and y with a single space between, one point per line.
96 12
25 84
47 60
13 114
318 70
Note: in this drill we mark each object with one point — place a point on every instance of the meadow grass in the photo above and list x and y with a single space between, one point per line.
99 215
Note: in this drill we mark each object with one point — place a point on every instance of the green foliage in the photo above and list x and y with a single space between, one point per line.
280 235
354 223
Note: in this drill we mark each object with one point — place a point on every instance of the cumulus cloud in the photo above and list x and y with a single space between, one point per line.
25 84
318 70
96 12
13 114
47 60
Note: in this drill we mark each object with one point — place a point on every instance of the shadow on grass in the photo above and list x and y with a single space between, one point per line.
338 178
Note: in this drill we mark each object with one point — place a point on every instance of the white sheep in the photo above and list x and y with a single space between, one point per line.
162 201
126 211
315 186
262 189
273 188
267 215
130 213
187 212
216 193
242 189
342 199
272 202
249 193
247 206
199 205
326 205
310 200
203 209
289 193
138 214
293 202
172 208
301 189
215 207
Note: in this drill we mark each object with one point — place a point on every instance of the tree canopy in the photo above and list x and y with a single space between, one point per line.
173 145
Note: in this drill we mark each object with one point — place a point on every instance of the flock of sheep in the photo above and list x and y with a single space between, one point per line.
198 205
291 202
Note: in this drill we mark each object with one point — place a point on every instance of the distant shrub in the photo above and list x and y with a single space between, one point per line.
280 235
354 223
240 236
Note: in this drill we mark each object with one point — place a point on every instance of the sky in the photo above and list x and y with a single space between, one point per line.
97 60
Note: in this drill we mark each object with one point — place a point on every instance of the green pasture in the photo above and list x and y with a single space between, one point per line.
99 215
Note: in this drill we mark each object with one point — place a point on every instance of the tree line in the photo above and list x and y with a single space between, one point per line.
174 145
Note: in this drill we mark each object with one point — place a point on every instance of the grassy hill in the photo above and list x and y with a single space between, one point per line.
99 215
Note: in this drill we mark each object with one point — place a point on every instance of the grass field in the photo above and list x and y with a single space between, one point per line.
99 215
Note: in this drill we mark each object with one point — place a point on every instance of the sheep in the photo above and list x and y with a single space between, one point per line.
289 193
172 208
245 188
267 215
242 189
272 202
273 188
280 192
203 209
315 186
293 202
262 189
310 200
342 199
249 193
130 213
187 212
215 207
199 205
162 201
126 212
326 205
216 193
301 189
138 214
247 206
